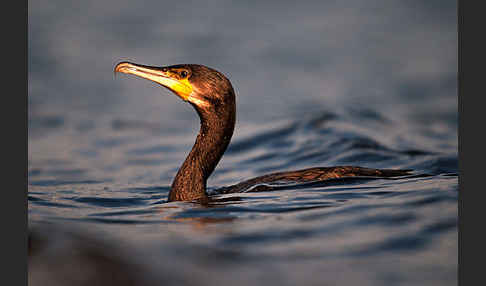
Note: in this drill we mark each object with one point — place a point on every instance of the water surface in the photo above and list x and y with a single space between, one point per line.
322 84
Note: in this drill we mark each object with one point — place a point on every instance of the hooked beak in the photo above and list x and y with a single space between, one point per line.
160 75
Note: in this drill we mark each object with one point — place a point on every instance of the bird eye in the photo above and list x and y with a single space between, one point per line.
183 74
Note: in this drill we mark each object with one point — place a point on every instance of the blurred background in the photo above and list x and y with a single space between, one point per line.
319 83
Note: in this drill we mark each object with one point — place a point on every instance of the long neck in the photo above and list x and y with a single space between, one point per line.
211 142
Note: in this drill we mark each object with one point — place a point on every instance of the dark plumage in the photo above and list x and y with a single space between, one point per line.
217 125
213 97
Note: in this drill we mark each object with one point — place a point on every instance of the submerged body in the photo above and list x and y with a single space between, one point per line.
212 96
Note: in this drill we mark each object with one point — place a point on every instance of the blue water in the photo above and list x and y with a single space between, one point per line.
322 84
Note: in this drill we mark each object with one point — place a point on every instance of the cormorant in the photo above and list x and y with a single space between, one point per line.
212 96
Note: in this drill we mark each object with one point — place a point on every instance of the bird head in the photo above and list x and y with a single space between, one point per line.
202 86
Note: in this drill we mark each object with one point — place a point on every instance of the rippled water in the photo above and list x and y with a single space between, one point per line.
103 150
